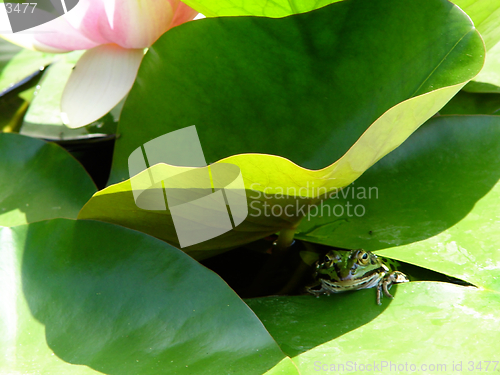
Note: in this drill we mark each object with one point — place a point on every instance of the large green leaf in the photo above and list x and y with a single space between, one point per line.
427 324
120 302
279 63
485 14
308 86
434 202
265 8
486 17
39 181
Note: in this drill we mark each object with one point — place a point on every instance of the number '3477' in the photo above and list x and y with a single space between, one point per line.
482 365
18 8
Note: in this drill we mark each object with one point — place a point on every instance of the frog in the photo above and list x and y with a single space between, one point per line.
341 271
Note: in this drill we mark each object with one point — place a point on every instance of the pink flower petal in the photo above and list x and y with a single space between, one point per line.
28 41
64 37
95 24
65 34
128 23
183 13
101 78
136 23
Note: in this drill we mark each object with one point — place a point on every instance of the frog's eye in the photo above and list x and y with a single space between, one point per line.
332 257
363 257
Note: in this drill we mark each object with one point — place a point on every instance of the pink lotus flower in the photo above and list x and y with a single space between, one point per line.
115 34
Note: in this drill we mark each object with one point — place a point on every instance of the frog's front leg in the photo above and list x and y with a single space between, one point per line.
317 288
387 281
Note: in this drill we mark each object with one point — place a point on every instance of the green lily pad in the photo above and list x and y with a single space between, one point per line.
433 202
275 201
343 330
265 8
347 62
82 297
486 17
39 181
308 86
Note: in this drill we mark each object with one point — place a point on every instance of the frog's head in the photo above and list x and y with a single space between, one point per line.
347 266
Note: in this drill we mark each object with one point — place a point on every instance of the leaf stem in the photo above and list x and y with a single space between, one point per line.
15 123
